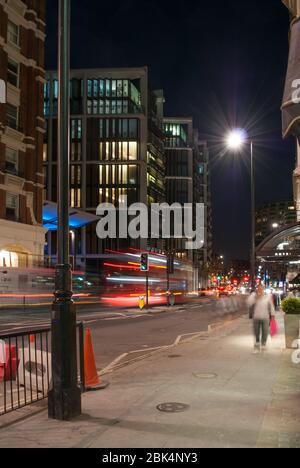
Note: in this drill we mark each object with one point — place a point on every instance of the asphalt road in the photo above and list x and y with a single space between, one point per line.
115 332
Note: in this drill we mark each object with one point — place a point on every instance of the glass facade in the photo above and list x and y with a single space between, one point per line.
108 96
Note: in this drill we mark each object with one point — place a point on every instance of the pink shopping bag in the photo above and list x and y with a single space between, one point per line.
273 327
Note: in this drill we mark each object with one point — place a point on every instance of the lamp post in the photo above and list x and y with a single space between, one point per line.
64 402
235 141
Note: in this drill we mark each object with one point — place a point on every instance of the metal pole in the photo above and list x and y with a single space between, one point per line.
253 253
64 402
147 289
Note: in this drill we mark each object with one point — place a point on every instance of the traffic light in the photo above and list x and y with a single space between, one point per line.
144 262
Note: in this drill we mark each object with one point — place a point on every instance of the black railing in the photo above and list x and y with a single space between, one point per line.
25 367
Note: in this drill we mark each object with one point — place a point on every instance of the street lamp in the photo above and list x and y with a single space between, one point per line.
64 399
236 139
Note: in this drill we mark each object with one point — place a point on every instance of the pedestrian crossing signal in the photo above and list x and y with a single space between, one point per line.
144 262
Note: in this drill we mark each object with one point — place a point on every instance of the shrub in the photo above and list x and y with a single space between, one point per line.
291 306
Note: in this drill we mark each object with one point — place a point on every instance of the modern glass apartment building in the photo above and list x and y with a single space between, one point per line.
117 149
188 181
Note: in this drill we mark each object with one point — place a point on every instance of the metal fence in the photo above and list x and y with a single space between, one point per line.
25 367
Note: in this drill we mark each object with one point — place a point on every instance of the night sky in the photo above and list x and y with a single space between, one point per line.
222 62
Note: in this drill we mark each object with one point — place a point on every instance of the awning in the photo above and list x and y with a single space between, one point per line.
77 218
290 107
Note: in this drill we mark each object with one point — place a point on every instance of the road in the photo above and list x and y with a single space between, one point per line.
116 332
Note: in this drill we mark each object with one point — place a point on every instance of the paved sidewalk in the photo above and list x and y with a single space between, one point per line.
236 399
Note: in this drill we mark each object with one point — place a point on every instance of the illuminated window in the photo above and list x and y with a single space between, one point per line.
125 150
133 150
75 195
45 152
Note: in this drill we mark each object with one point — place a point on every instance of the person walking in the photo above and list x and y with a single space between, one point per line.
263 310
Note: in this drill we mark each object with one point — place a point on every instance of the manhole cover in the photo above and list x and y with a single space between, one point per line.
204 375
172 407
172 356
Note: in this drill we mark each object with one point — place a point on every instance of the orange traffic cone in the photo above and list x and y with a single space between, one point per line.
91 378
31 339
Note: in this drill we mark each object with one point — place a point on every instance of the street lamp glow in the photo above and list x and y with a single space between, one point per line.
275 225
236 138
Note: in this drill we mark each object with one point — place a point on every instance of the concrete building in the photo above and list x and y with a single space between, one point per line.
22 42
272 216
117 149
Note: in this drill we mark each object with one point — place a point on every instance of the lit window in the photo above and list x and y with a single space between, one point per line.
133 150
45 152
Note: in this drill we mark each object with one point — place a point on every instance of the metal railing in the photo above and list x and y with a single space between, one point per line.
25 367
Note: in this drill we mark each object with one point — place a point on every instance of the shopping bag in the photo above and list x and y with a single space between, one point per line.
273 327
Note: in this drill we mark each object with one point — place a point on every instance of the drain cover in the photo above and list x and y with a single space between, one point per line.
204 375
172 407
174 356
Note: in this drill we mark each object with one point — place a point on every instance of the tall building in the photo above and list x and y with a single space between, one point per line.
117 149
291 99
188 181
22 42
272 216
202 194
179 148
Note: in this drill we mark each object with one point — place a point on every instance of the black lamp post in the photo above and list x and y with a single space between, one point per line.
64 402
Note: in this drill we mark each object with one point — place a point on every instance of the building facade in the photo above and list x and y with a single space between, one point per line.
22 42
202 194
291 109
117 150
188 181
272 216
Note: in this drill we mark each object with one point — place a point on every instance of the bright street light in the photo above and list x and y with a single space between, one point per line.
275 225
236 138
235 141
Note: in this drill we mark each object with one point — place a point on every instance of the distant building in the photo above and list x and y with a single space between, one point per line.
188 181
117 149
273 216
22 42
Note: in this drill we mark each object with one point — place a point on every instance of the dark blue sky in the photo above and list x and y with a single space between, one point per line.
224 63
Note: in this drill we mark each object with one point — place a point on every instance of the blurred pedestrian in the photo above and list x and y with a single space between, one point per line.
262 307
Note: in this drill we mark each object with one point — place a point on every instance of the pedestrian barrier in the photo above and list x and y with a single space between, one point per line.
26 370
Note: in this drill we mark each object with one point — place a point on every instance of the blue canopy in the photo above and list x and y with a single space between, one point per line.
77 218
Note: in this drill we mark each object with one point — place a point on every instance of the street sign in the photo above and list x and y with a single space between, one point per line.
144 262
2 92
